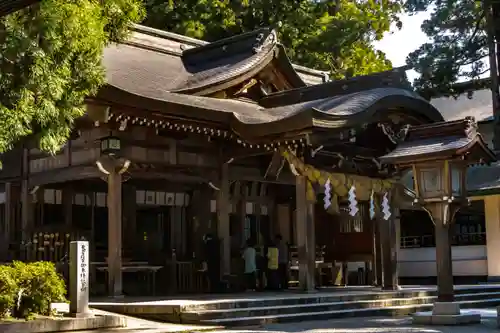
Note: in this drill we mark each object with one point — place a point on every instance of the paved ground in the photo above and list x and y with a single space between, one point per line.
374 325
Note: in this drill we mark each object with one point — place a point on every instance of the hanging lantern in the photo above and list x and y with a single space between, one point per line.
353 203
110 145
386 208
328 197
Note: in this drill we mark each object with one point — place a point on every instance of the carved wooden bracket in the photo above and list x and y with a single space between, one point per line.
108 164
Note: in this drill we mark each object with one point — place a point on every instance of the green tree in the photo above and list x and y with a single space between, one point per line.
457 47
50 60
328 35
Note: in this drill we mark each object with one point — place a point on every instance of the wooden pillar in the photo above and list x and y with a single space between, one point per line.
241 212
26 202
444 266
283 221
223 220
306 245
377 254
388 239
201 202
114 233
8 214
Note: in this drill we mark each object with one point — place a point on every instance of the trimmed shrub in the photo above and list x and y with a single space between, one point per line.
28 289
8 289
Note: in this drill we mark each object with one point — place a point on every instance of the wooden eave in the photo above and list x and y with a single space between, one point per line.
253 123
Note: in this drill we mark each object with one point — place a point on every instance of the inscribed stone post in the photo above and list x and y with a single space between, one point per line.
79 278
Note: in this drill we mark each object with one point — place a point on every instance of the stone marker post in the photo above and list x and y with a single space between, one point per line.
79 279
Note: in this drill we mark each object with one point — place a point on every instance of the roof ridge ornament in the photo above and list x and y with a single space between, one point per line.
471 128
262 40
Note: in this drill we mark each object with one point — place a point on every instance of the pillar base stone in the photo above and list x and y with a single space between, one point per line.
87 314
446 313
494 278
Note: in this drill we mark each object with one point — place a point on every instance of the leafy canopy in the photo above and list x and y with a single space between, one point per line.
457 47
50 60
336 36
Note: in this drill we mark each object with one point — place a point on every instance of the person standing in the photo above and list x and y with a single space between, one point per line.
212 252
272 266
249 256
282 262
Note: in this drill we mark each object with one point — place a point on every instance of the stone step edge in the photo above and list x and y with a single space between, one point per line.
298 315
273 307
400 293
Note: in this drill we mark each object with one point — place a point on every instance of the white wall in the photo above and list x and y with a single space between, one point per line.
421 262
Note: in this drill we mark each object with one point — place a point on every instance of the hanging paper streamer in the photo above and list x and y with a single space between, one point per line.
372 206
328 197
353 203
386 208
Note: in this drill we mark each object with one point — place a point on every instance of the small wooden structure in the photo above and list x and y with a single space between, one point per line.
226 138
439 155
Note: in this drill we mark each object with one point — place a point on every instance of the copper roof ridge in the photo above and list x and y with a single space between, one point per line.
167 35
152 48
261 36
342 81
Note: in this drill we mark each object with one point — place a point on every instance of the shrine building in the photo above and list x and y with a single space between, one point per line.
228 139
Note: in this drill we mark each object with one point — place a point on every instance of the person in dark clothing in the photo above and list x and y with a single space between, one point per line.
282 262
212 252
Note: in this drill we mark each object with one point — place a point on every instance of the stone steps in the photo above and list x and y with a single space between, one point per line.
368 312
319 307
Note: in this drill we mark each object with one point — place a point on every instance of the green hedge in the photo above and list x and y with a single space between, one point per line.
28 289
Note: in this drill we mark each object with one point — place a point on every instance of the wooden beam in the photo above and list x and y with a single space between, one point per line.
64 174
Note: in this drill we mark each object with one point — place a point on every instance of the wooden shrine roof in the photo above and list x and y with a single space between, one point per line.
171 75
442 140
153 63
10 6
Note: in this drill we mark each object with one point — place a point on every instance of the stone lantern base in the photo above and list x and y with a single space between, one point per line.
446 313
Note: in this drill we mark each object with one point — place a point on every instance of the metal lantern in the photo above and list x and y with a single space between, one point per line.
110 146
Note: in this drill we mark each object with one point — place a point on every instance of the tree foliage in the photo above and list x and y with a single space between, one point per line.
50 60
457 47
336 36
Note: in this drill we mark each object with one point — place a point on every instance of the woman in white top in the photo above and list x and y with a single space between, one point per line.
249 256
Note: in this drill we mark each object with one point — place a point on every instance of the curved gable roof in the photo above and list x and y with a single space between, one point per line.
170 62
185 65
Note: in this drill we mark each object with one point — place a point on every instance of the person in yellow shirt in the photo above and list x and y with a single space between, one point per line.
272 266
